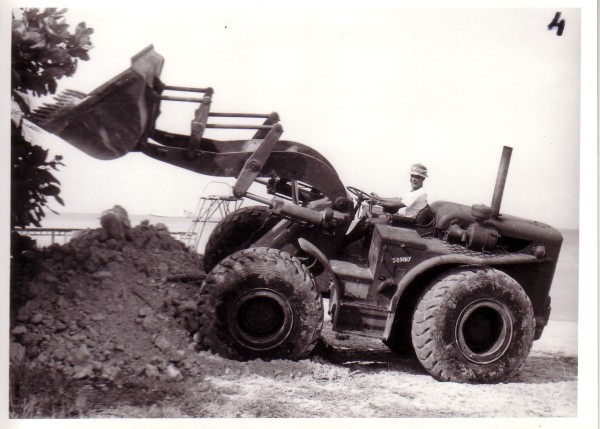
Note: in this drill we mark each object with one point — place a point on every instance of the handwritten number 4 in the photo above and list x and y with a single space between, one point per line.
557 23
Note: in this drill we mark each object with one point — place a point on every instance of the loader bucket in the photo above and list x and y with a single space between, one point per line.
114 118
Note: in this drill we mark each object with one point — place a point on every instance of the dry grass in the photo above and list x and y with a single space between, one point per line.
34 394
45 394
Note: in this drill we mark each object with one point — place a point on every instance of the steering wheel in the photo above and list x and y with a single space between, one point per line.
362 195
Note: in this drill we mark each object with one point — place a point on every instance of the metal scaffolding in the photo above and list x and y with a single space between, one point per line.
211 208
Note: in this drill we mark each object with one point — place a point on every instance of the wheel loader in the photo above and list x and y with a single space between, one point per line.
464 288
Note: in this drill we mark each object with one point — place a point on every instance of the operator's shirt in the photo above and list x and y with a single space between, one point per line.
414 201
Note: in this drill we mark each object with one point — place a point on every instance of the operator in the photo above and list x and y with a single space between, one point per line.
412 202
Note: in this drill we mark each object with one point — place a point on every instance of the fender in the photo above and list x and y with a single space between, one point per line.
450 260
334 298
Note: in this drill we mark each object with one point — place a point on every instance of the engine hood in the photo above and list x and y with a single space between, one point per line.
509 226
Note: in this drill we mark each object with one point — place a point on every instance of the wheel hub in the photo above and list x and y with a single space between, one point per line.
484 331
260 319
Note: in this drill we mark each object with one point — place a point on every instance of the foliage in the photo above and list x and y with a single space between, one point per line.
32 182
43 50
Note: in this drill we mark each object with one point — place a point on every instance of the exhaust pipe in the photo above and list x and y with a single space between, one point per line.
501 181
479 236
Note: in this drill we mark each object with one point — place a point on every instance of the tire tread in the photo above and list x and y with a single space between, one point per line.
269 259
424 329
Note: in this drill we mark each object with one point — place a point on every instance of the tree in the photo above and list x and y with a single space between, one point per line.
43 51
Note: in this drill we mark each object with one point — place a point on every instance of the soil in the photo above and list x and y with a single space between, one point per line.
113 311
111 303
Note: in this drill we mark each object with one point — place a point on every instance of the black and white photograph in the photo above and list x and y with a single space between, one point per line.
232 213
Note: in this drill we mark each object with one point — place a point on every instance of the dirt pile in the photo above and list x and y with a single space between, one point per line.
111 303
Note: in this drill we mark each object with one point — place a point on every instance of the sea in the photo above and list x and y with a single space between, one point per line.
193 233
564 292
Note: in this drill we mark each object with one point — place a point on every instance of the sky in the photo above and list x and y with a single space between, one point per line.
373 88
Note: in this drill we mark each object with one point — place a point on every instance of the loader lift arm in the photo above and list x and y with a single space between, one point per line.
120 116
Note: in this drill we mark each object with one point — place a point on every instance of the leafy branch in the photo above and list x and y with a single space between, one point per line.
43 51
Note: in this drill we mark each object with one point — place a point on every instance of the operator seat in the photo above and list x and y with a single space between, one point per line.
423 222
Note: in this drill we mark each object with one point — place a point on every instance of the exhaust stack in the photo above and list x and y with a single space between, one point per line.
501 181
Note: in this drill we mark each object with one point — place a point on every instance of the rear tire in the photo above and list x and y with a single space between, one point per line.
237 231
259 303
473 325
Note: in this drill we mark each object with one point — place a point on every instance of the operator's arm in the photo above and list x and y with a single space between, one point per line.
390 205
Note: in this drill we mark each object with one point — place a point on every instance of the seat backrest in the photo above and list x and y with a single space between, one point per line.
425 222
424 217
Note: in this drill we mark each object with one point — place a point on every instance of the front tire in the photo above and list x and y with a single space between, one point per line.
237 231
473 325
259 303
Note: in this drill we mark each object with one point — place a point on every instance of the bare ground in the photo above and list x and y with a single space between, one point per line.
361 378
